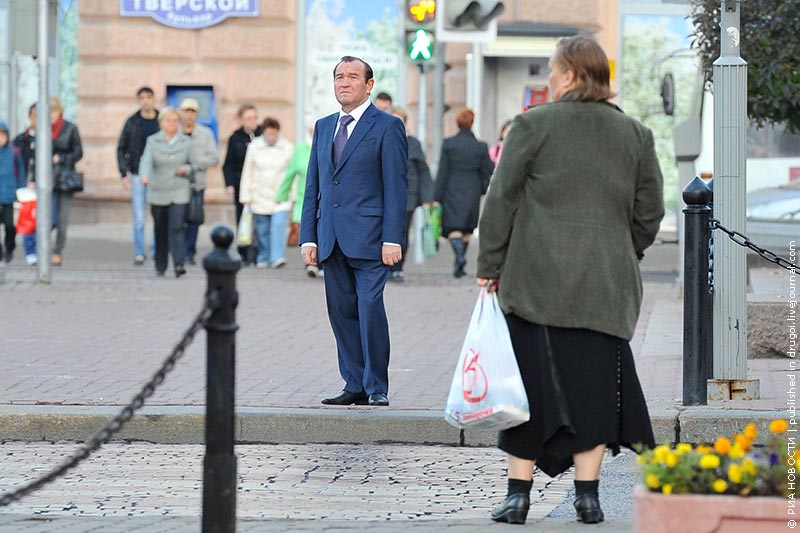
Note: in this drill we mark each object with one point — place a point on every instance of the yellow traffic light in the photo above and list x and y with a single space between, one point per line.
422 10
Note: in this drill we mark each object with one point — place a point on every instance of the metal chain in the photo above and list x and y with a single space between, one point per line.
742 240
104 434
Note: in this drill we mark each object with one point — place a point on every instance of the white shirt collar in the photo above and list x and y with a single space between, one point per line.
357 112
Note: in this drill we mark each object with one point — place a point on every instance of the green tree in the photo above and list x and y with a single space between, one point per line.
648 53
770 44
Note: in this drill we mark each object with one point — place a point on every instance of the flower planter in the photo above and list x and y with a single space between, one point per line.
705 513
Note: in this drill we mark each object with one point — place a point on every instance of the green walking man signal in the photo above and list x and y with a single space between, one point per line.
421 47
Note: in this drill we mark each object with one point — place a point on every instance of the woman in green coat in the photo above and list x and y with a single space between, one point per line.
575 201
296 174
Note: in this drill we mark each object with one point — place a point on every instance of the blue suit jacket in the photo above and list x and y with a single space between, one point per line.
361 203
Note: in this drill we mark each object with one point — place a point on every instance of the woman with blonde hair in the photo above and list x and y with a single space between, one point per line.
166 167
67 150
574 203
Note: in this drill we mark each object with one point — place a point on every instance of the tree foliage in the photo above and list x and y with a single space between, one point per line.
771 47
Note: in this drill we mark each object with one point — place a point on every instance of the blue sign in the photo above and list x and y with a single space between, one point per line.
189 14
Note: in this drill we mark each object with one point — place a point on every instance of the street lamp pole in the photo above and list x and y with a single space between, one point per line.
730 266
44 150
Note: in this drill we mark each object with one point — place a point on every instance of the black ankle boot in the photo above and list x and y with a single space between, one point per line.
514 509
587 502
459 250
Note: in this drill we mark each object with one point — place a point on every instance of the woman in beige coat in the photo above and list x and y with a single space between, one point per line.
575 201
264 168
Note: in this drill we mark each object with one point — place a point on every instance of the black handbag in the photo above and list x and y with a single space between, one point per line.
194 211
68 181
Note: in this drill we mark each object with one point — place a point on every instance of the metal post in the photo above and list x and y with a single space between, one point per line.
477 90
44 153
697 348
730 272
219 464
422 121
438 107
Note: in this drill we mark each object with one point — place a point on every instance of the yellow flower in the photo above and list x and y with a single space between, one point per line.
640 460
709 461
736 452
750 431
778 426
672 460
719 485
660 453
667 489
723 445
683 448
652 481
749 466
735 473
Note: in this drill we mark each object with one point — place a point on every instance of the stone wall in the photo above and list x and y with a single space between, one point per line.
244 59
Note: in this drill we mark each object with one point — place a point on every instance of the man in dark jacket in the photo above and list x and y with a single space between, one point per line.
25 142
234 162
420 189
137 129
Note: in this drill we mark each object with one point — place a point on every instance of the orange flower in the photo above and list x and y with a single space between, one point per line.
778 426
743 442
750 431
722 446
704 449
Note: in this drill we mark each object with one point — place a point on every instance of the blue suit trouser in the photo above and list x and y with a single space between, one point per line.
354 293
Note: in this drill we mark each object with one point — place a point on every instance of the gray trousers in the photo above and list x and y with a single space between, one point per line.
62 201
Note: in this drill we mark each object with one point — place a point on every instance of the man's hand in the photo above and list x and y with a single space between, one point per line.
230 190
309 254
126 182
391 254
145 180
182 171
56 159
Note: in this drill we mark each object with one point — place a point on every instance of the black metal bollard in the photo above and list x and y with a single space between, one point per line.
697 315
219 464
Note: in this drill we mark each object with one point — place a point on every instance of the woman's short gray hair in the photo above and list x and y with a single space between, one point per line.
162 114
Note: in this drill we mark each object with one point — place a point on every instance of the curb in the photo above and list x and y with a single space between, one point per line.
357 425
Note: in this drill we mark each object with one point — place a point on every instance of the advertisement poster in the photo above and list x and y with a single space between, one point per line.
368 29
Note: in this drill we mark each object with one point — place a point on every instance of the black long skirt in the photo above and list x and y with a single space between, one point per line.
583 391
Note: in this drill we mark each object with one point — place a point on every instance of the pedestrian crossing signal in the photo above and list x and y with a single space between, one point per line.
420 46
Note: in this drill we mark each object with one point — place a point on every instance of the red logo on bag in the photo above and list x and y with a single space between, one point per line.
473 379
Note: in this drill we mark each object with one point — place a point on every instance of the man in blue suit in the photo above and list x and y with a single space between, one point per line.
354 223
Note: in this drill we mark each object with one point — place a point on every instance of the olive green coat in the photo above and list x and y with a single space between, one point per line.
575 200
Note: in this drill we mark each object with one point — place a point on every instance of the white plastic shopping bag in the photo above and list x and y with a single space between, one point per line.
487 390
244 232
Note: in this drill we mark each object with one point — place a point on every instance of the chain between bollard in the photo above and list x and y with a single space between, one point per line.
743 241
104 434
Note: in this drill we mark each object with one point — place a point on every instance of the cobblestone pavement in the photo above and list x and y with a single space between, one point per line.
337 486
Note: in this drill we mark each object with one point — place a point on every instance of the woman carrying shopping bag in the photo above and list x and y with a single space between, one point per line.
571 210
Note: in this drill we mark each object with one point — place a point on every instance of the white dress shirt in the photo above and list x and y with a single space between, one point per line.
356 113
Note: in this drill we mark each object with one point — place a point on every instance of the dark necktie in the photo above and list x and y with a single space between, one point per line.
341 138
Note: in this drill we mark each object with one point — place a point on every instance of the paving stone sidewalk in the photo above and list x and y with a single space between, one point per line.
149 488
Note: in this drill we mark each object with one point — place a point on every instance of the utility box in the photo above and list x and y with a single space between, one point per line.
25 25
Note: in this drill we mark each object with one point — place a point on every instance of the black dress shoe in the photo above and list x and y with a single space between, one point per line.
347 398
514 510
179 270
378 398
588 508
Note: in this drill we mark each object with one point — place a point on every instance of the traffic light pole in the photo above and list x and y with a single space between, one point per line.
422 121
